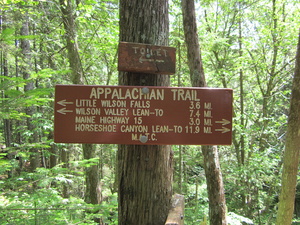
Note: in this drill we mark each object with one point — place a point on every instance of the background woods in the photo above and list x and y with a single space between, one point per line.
249 46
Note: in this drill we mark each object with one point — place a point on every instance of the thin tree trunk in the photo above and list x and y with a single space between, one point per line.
192 42
30 110
7 122
241 73
242 150
68 15
291 153
64 155
53 151
92 173
92 177
214 180
180 171
144 172
215 187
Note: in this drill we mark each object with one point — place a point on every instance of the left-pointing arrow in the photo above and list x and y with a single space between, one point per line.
223 130
64 111
142 59
64 102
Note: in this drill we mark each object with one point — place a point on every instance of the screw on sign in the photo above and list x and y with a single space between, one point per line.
142 115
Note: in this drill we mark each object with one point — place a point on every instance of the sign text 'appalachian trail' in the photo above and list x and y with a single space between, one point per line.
142 115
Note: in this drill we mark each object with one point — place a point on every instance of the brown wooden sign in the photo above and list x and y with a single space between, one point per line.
146 58
142 115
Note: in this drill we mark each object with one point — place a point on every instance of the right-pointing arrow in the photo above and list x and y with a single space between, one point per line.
223 130
64 111
223 122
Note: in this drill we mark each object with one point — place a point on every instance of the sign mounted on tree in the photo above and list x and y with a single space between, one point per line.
142 115
144 58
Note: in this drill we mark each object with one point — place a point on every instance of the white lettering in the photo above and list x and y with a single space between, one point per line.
113 103
151 52
122 94
88 111
207 130
85 103
134 128
160 129
207 122
207 114
116 112
139 104
85 119
114 120
207 105
141 112
183 94
95 128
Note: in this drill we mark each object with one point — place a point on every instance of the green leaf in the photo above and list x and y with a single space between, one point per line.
7 36
13 93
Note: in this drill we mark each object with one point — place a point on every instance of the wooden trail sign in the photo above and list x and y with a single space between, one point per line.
144 58
142 115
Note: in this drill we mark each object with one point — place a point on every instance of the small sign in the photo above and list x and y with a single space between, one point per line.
144 58
142 115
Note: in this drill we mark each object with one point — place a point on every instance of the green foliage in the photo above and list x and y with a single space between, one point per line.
196 204
4 164
38 194
7 36
86 162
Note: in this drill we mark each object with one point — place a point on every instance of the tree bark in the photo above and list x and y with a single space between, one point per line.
6 122
92 176
215 187
214 180
30 110
192 43
64 155
53 152
291 153
144 172
68 15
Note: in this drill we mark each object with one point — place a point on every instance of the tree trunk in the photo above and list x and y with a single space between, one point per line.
241 157
192 43
64 155
68 14
144 172
30 110
53 152
214 180
215 188
291 153
92 176
6 122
